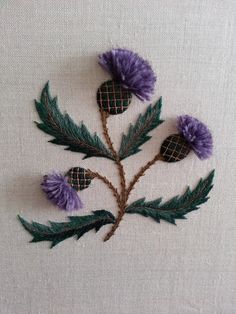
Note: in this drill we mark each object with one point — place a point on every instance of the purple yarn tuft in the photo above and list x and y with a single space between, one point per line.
60 193
197 134
129 69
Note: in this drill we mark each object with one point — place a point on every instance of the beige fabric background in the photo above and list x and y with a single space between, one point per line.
146 267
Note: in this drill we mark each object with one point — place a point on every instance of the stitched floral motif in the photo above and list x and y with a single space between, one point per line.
79 178
130 75
113 98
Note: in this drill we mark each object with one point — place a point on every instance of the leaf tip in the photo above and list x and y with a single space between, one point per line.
22 221
46 86
159 103
52 245
212 173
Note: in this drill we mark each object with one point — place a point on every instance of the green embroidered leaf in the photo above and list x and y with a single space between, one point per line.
65 131
59 231
138 133
176 207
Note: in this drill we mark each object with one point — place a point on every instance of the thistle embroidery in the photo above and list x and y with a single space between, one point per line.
79 178
130 75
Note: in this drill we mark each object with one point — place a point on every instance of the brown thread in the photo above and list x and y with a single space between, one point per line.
128 191
104 116
115 226
107 182
69 137
122 203
124 194
121 198
142 172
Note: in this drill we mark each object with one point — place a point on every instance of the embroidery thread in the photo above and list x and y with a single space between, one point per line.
130 75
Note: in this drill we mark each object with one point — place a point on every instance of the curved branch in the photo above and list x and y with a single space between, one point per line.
123 197
104 116
114 190
141 173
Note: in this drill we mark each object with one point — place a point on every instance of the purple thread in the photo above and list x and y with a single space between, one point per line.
129 69
60 193
197 134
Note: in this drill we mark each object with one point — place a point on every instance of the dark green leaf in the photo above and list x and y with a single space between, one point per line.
138 133
59 231
176 207
65 131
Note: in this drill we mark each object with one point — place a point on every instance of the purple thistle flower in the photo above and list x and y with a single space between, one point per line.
197 134
60 193
130 70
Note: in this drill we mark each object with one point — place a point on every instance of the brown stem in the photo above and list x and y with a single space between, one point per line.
127 193
116 225
122 203
107 182
104 116
124 194
141 173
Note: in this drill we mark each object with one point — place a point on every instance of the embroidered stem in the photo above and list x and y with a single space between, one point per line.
127 193
122 196
116 225
107 182
141 173
104 116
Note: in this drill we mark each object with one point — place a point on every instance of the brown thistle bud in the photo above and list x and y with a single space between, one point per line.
175 148
79 178
113 98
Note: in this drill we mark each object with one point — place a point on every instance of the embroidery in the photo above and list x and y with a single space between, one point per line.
131 71
77 138
113 98
59 231
175 208
130 75
79 178
61 192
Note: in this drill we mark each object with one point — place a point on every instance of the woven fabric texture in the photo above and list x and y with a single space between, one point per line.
146 267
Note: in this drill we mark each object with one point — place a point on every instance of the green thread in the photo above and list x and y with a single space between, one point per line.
114 99
177 207
60 231
65 131
138 134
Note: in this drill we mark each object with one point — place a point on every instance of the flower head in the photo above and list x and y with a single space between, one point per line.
197 135
59 192
133 72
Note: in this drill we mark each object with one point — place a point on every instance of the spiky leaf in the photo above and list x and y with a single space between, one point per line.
59 231
178 206
65 131
138 133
